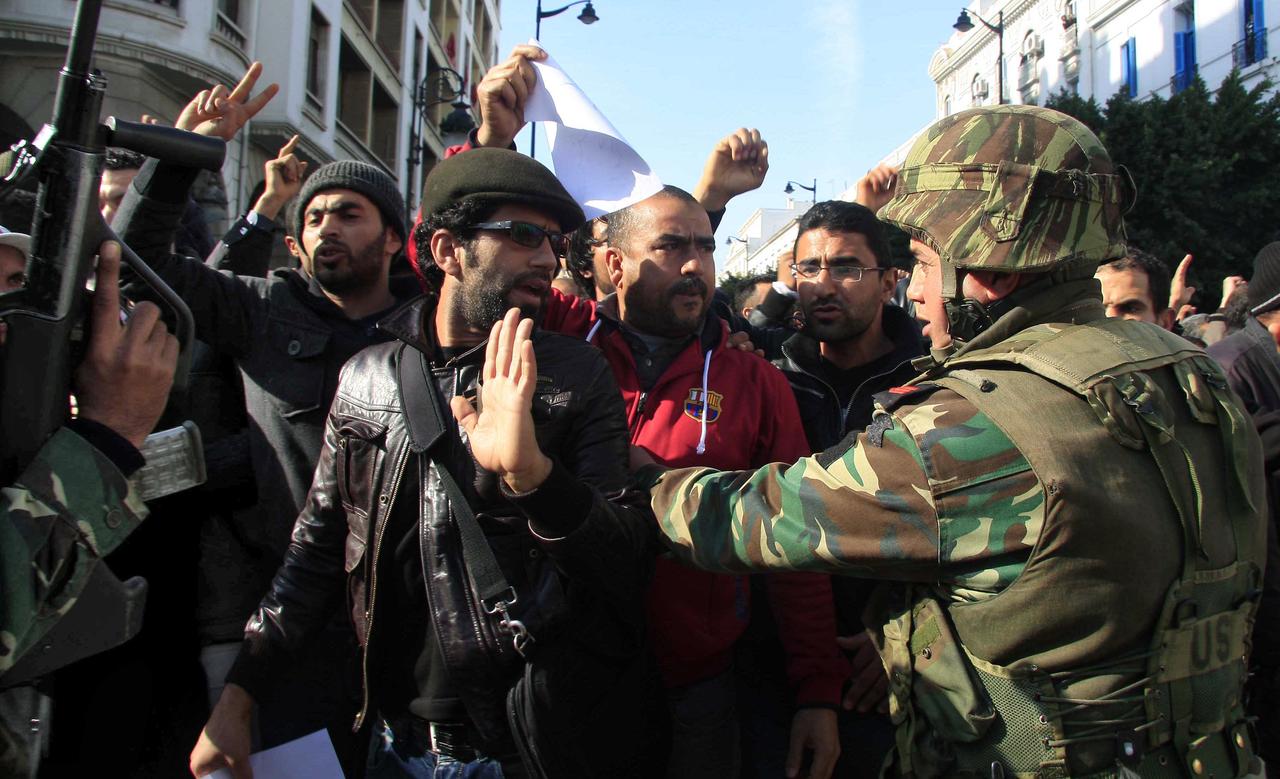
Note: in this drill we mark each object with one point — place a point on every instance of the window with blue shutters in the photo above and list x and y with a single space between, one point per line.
1184 55
1129 67
1184 46
1255 32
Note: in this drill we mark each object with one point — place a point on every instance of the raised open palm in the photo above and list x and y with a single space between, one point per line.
501 433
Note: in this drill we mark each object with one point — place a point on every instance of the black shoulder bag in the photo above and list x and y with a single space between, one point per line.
549 704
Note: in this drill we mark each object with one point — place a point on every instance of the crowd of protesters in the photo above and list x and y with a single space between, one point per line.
337 476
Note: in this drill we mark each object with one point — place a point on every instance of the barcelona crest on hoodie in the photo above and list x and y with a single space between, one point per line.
694 406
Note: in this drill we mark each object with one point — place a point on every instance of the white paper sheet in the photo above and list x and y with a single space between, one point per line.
309 757
592 159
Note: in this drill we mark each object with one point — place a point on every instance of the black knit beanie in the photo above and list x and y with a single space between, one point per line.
356 176
1264 287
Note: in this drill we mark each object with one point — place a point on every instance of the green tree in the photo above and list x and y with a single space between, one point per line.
1204 165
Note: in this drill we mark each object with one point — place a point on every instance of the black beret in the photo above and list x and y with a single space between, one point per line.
499 176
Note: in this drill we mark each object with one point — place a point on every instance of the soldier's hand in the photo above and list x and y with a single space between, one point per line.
742 342
869 689
816 731
875 189
737 164
501 434
283 180
225 741
502 94
124 379
220 113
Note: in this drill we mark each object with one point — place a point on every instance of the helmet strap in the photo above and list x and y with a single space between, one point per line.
966 317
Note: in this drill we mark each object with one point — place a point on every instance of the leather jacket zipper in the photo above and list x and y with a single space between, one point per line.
385 501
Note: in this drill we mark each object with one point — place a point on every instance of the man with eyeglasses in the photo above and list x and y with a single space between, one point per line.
855 343
387 517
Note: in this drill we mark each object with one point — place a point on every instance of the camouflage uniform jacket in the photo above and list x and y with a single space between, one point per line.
936 497
67 510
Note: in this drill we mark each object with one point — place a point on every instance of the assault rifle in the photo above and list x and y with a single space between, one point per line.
47 318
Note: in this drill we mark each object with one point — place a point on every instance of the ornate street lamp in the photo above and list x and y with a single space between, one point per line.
965 24
791 188
588 16
439 86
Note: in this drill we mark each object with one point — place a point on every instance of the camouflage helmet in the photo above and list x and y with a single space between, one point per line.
1012 188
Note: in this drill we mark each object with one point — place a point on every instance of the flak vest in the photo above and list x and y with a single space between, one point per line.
1121 648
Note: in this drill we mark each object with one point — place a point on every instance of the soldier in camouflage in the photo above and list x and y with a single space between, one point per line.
1064 509
74 503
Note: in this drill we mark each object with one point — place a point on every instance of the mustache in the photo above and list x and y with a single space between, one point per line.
688 286
330 244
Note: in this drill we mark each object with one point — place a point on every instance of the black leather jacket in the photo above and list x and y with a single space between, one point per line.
600 548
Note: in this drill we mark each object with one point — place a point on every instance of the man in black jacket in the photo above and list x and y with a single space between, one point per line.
1250 358
438 666
855 344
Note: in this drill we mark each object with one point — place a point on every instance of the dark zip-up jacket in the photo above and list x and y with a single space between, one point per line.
288 340
601 549
825 420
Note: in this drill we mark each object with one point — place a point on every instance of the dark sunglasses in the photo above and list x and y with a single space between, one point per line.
529 235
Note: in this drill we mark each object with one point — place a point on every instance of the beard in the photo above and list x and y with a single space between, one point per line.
656 313
358 272
847 327
484 298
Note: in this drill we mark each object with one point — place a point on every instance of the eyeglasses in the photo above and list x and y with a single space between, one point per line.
529 235
841 271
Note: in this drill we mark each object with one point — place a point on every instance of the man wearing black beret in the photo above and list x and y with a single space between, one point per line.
500 611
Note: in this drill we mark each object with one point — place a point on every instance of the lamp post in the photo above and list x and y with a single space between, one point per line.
729 239
791 188
965 24
588 16
440 86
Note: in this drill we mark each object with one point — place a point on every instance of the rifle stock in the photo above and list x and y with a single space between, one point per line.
47 318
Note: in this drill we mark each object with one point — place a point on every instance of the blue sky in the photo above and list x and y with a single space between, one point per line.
833 85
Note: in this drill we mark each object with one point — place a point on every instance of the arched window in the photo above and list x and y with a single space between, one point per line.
946 106
979 89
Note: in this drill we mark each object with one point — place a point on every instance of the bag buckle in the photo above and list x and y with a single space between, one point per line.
520 636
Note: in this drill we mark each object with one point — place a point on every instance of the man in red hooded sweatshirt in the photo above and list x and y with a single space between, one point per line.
692 398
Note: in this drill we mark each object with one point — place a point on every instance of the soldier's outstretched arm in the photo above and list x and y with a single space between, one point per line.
935 492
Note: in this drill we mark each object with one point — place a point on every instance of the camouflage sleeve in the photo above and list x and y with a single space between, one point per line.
67 510
934 492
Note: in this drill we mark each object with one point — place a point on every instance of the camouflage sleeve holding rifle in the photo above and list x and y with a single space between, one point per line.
932 491
68 509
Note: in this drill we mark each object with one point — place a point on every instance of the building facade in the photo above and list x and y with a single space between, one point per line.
766 235
1096 48
349 73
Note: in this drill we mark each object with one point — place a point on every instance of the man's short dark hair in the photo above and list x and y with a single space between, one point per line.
579 261
1158 277
840 216
748 290
123 159
621 223
457 219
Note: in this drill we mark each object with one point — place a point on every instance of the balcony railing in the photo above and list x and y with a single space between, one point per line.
1248 51
228 30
